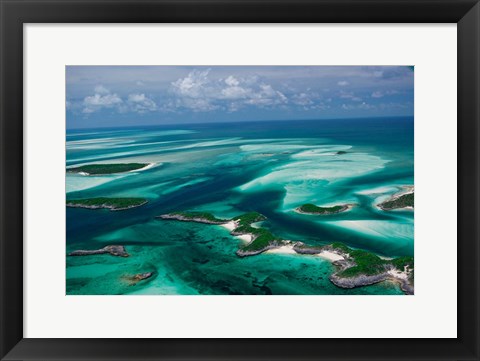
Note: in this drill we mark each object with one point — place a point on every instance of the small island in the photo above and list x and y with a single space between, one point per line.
405 200
103 169
114 204
362 268
114 250
133 280
313 209
199 217
357 268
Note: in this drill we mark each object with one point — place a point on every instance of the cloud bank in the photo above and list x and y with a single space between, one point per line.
236 92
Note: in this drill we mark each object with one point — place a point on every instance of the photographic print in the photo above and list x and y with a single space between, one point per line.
240 180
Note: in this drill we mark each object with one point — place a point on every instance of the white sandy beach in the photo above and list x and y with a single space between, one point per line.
230 225
330 256
150 165
401 190
247 238
288 249
405 190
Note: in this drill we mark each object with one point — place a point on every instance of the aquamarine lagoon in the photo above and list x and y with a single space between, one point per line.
344 168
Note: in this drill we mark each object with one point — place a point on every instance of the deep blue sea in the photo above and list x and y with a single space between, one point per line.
228 169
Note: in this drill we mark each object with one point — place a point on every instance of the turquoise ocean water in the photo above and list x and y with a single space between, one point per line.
229 169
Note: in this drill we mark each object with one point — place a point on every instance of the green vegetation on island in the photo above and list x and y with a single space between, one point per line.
249 218
356 262
261 237
200 217
340 247
403 201
366 263
361 268
204 215
313 209
401 262
100 169
114 204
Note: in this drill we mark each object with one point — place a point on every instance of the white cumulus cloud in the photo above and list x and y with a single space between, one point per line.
105 99
199 93
195 85
231 81
101 99
140 103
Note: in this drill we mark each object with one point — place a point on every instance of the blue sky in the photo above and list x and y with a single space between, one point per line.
110 96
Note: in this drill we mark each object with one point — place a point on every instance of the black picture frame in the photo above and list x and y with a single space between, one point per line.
16 13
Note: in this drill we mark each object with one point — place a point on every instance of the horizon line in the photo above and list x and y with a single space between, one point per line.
242 121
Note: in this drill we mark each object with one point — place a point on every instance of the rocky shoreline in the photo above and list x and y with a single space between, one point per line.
390 274
364 280
405 286
133 280
182 218
302 248
247 253
104 206
345 207
114 250
408 190
357 281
